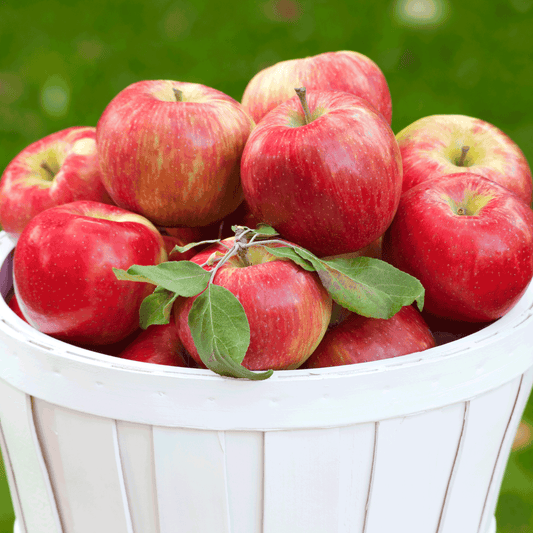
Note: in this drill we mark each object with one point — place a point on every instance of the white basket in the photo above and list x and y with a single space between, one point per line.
415 444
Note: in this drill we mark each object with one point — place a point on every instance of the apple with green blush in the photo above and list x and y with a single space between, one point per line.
58 169
171 151
438 145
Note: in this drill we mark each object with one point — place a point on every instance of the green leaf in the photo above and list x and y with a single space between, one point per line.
187 247
262 230
185 278
368 286
265 229
286 252
156 308
221 333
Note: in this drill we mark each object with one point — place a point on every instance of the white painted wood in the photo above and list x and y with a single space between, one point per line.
505 449
302 471
82 453
137 456
15 498
191 480
28 476
357 462
244 475
486 425
413 461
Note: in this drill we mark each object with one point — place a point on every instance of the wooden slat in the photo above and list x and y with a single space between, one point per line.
190 470
29 480
244 471
413 460
302 470
486 425
524 389
356 459
84 462
137 455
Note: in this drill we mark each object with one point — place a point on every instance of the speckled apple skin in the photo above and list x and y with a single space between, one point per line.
331 186
287 308
344 71
358 339
473 268
24 192
174 162
63 275
431 146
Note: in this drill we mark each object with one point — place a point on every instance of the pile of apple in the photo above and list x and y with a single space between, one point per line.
293 229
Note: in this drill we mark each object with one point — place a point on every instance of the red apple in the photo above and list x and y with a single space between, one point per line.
63 275
158 344
433 146
359 339
331 185
59 169
287 307
15 307
344 71
470 243
170 151
180 237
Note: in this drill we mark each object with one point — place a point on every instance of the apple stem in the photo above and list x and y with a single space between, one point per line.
301 92
178 94
464 151
46 166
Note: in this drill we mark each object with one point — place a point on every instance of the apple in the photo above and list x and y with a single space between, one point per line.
63 277
58 169
171 151
13 304
287 307
159 344
344 71
329 179
445 144
470 243
180 237
358 339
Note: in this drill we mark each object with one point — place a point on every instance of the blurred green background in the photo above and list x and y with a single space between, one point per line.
61 64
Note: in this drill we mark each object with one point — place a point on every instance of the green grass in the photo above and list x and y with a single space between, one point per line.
61 63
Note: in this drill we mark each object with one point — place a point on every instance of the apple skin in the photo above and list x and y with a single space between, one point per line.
287 308
331 186
431 147
13 304
159 344
358 339
63 275
344 71
473 266
174 162
180 237
26 188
